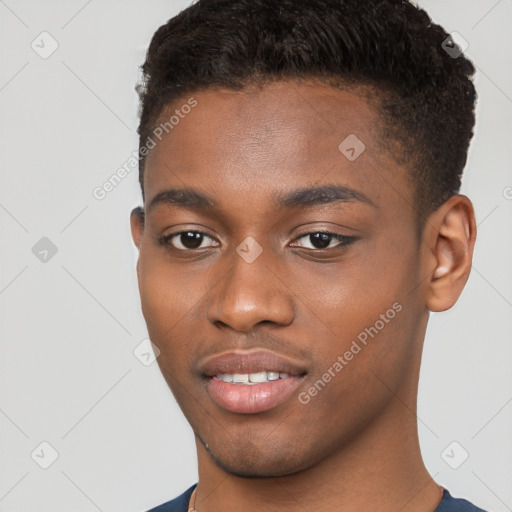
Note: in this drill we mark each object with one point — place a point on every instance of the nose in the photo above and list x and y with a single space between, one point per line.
249 294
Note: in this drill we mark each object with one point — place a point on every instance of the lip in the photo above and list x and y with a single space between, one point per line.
250 399
254 398
243 361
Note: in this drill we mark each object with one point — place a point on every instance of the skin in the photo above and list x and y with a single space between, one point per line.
354 446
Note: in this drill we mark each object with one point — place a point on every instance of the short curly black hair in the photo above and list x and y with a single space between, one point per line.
423 92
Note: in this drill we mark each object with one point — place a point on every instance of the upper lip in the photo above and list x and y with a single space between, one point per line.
243 361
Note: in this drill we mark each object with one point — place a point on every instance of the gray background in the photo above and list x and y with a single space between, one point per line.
70 324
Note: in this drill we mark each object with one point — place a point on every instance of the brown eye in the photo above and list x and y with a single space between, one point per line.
186 240
322 240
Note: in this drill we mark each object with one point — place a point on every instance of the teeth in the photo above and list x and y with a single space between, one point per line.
252 378
258 377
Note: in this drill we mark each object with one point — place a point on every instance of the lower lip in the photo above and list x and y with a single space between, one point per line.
251 398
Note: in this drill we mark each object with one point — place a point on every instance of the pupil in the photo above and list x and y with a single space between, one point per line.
320 240
193 241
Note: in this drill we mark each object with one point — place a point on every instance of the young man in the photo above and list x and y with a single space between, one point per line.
300 168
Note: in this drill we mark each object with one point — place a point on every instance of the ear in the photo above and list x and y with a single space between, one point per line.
451 237
137 225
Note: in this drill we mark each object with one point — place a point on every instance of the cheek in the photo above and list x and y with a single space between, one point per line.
357 374
344 300
169 302
156 291
362 312
168 289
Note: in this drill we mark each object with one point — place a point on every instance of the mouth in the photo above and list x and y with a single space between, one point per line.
251 378
251 382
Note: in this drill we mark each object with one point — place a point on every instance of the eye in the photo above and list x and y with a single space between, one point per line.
186 240
323 240
318 240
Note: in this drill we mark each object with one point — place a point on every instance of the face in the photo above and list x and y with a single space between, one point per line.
292 255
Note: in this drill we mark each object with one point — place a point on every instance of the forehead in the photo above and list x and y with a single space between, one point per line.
277 137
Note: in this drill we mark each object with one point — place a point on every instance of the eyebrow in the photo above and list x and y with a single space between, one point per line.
299 198
307 197
184 197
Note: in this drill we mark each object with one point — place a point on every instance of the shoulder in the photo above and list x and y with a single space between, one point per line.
179 504
451 504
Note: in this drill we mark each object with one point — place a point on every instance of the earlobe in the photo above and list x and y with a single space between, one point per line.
454 238
137 225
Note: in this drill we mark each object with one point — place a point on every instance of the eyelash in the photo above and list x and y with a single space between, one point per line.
344 240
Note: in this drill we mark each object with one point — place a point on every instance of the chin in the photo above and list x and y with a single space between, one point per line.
252 461
257 469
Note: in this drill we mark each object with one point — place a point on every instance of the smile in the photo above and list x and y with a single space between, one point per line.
251 378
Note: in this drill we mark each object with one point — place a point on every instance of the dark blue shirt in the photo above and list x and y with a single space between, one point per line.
448 504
